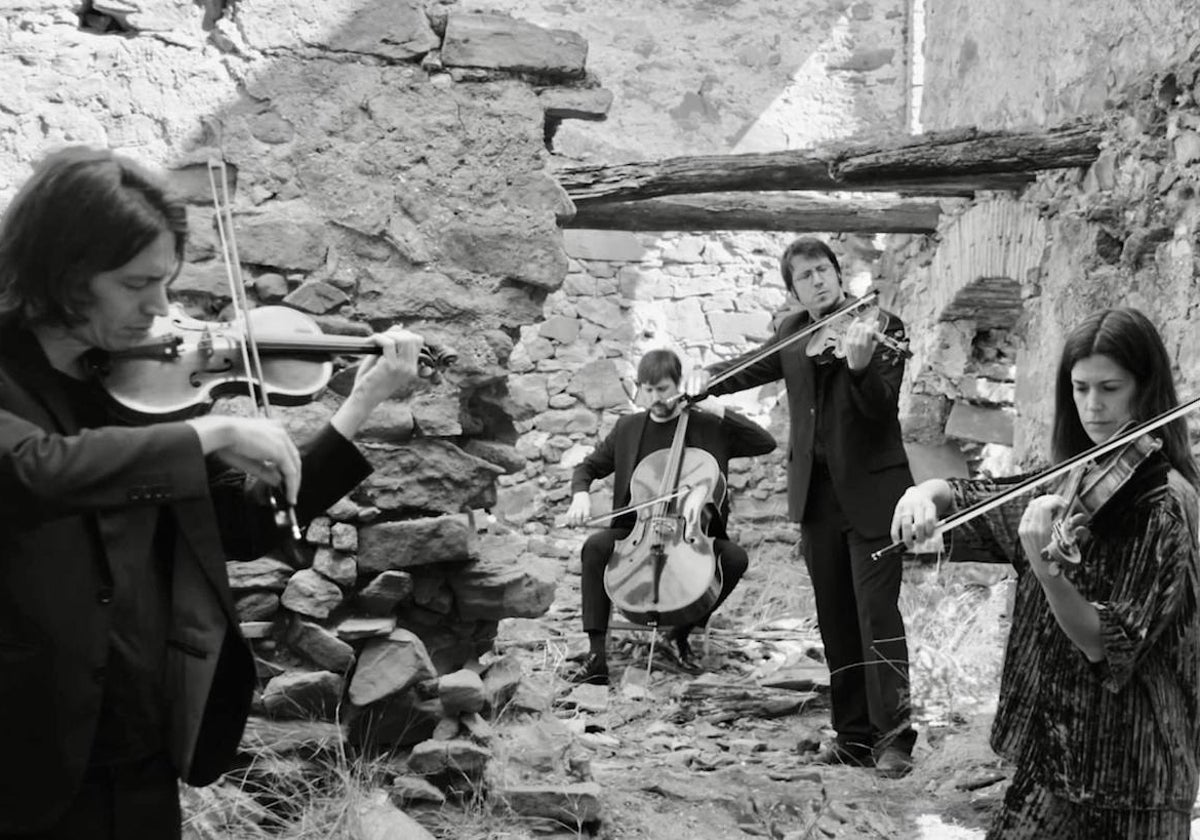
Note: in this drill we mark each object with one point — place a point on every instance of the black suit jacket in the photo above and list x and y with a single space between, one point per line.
863 445
731 436
71 501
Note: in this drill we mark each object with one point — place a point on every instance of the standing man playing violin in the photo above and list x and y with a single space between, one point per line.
122 668
846 469
722 433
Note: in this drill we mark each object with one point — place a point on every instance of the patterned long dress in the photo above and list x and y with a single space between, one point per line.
1109 749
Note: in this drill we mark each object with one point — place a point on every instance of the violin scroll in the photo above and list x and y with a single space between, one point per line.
433 359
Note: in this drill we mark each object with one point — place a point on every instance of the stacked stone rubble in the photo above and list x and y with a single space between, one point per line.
387 165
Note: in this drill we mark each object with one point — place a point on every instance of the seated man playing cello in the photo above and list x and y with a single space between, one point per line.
723 434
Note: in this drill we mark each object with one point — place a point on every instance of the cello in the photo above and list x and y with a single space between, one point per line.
665 571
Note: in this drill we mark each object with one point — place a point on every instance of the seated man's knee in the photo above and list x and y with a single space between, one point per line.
734 561
596 551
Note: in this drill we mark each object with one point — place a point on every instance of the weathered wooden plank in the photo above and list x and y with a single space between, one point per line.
957 162
969 152
762 211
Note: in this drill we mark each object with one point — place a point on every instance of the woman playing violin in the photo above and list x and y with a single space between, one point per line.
122 668
1101 681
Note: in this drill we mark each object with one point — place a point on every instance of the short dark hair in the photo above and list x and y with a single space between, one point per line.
806 246
1128 338
658 365
82 212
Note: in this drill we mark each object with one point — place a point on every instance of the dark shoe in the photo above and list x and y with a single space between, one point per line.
893 763
593 671
839 754
683 649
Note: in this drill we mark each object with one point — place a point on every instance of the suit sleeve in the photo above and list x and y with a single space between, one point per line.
45 476
769 369
875 390
746 438
597 465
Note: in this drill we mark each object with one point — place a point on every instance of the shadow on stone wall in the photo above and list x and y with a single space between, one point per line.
389 168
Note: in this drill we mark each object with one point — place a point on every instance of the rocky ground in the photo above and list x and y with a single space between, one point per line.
721 754
662 753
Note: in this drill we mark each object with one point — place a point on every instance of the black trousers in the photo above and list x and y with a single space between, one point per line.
135 801
598 548
861 625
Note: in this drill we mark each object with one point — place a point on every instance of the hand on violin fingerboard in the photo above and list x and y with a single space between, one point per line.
858 345
393 371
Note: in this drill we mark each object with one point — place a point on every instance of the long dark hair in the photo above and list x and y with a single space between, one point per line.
1128 338
82 212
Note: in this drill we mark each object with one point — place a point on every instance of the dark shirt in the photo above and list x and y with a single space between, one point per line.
656 436
636 435
822 368
131 724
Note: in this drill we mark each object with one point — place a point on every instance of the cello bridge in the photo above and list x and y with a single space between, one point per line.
665 524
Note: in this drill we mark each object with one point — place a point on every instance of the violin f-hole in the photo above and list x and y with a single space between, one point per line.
194 376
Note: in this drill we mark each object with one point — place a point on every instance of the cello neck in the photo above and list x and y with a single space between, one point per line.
674 461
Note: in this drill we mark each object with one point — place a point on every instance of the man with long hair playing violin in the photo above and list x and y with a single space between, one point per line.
122 667
1100 690
723 434
846 469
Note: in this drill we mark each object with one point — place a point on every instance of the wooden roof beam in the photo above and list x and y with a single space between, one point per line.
762 211
957 162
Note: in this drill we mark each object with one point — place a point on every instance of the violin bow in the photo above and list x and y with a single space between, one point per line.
1034 481
756 357
285 514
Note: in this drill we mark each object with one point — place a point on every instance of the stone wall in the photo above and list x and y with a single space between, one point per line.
999 65
711 76
1120 233
573 374
687 77
389 166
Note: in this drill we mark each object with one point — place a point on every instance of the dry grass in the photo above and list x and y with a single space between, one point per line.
279 797
953 616
319 800
956 634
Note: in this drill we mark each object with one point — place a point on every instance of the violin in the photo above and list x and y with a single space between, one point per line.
1092 494
828 344
187 363
1089 488
665 571
866 304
